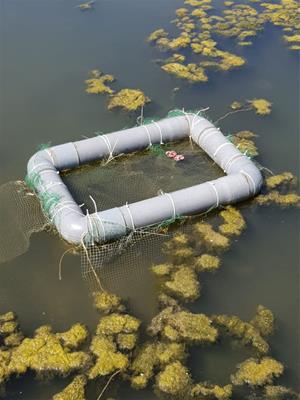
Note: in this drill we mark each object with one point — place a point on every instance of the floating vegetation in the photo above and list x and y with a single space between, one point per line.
162 269
107 302
174 379
183 284
74 391
210 237
234 221
261 106
283 200
257 372
178 325
207 262
86 6
117 323
128 99
236 105
244 331
208 391
263 321
97 83
74 337
190 72
178 248
280 393
285 178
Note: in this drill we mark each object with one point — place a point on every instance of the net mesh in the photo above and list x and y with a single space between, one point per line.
20 215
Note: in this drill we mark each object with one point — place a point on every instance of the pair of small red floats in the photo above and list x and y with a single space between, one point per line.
174 155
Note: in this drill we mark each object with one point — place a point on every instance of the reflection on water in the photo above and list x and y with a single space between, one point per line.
48 47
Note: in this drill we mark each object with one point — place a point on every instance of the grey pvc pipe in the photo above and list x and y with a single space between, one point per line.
243 180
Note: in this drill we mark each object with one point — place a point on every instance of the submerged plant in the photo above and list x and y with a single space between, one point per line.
261 106
234 221
128 99
74 391
263 321
174 379
107 302
74 337
117 323
210 237
257 372
97 83
274 181
183 284
244 331
207 262
209 391
190 72
284 200
280 393
86 6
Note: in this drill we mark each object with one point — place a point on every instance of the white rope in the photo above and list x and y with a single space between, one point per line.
106 141
231 161
173 204
98 217
50 155
148 134
216 192
251 179
203 131
131 218
160 132
51 184
221 146
36 166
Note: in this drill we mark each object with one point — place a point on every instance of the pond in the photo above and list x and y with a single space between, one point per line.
48 48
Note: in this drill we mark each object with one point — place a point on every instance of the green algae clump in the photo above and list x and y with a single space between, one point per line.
126 341
108 358
174 379
236 105
161 269
191 72
261 106
117 323
157 34
234 221
280 393
274 181
210 237
128 99
44 353
74 337
244 331
96 84
283 200
107 302
183 284
209 391
207 262
257 373
74 391
263 321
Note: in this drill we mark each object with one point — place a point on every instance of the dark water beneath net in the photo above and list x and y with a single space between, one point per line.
47 49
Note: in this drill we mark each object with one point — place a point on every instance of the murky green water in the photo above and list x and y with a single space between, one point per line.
47 49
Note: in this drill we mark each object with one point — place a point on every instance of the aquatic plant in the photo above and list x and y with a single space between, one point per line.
190 72
261 106
274 181
244 331
280 393
284 200
153 356
207 262
74 337
97 83
178 248
183 284
117 323
126 341
180 325
86 6
234 221
157 34
13 339
106 302
257 372
263 321
44 353
108 358
8 324
210 237
74 391
174 379
161 269
246 146
128 99
236 105
205 390
229 60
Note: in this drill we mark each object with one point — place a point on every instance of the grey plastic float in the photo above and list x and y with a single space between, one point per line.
243 180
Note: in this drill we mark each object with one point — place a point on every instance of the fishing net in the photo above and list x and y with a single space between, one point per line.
20 215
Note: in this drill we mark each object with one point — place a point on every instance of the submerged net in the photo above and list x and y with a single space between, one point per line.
20 215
